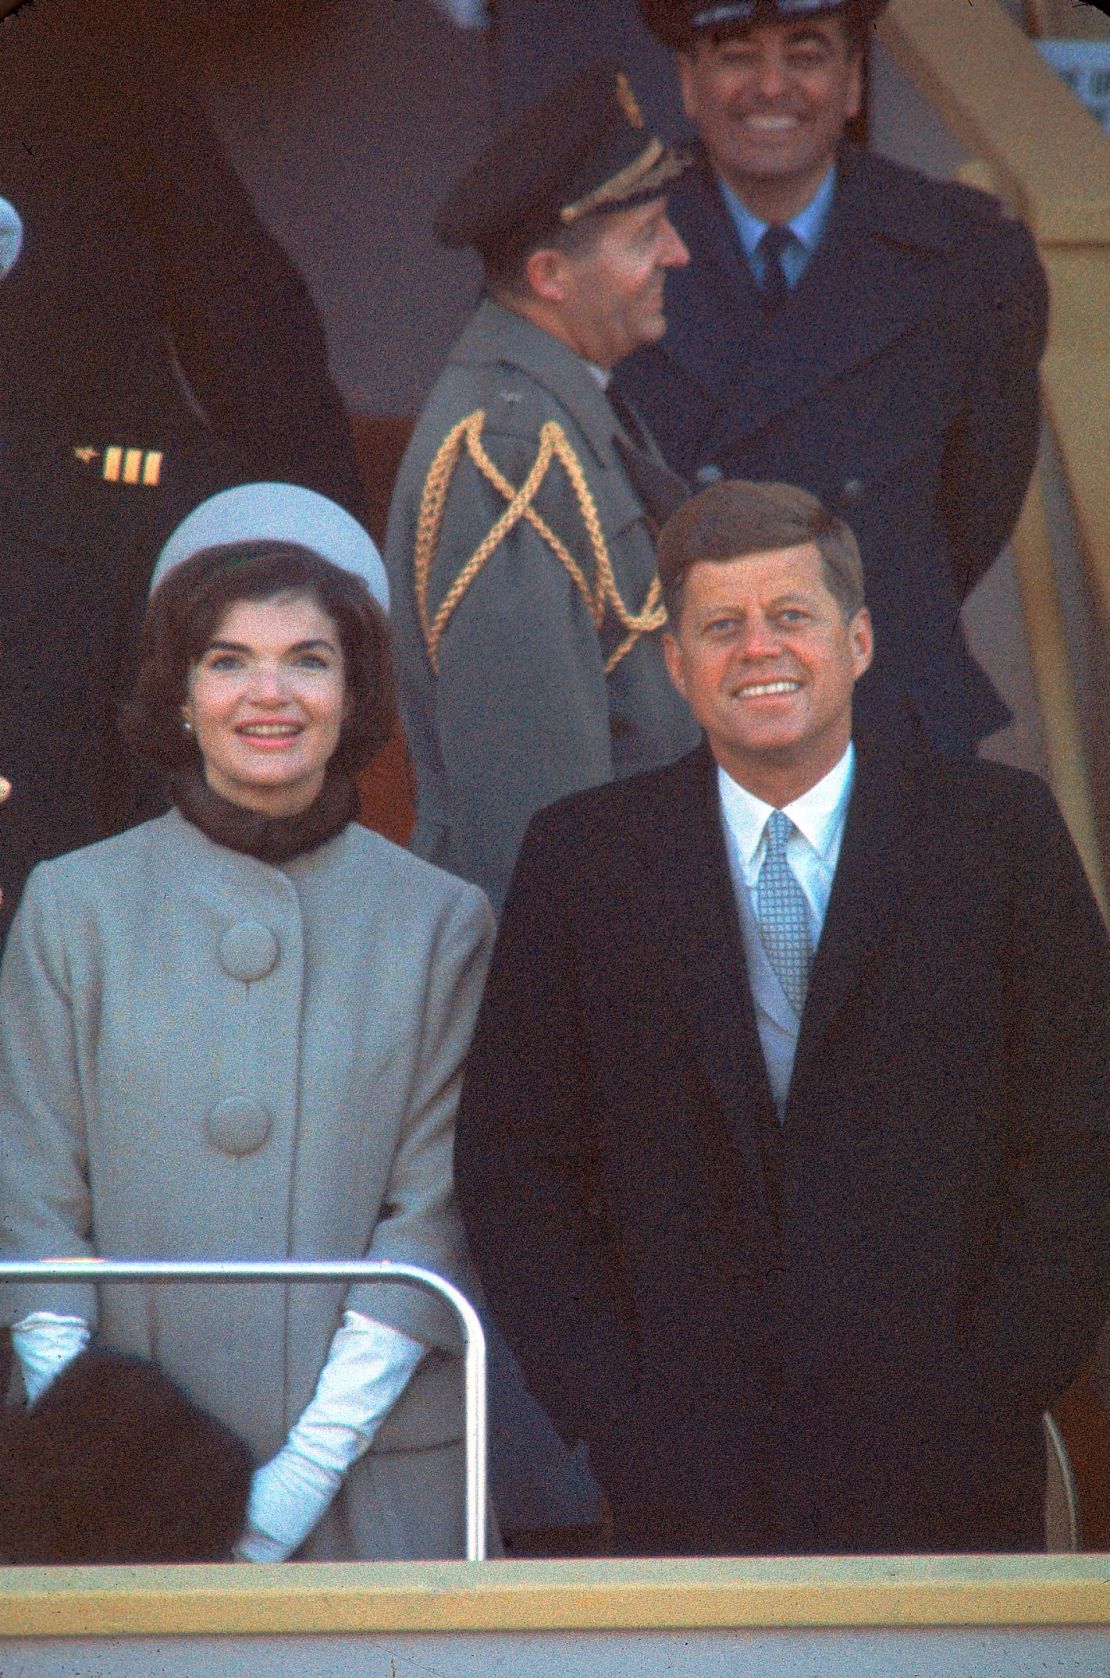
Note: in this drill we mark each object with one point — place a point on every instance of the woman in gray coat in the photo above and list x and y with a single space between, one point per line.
236 1032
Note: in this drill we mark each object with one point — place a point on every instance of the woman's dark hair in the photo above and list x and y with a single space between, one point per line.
186 608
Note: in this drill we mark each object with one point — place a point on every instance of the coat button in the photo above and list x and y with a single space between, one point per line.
708 474
248 950
237 1125
851 492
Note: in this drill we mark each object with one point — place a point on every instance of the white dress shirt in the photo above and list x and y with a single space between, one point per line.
812 850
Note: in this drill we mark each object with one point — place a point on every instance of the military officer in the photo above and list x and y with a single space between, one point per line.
521 536
850 326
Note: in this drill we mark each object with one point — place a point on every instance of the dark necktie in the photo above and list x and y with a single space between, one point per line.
661 490
634 427
774 289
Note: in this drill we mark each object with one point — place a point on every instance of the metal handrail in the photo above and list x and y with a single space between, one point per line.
310 1270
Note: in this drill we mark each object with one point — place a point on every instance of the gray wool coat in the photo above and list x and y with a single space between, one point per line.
520 710
204 1056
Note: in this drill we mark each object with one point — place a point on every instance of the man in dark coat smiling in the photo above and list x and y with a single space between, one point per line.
784 1144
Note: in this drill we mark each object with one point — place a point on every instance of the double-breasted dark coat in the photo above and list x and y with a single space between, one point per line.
836 1334
898 383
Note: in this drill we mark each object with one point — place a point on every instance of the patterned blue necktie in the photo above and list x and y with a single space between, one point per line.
780 908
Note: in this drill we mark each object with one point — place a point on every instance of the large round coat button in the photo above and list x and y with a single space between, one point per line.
248 950
708 474
852 492
238 1125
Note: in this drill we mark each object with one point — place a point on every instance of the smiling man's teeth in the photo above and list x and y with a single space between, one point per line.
771 687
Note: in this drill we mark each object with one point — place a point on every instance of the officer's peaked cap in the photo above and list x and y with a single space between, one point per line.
584 147
677 23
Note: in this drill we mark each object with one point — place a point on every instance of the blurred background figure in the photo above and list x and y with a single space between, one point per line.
156 344
540 670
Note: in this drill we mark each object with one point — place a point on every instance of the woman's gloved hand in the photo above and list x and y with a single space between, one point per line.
44 1343
288 1495
367 1369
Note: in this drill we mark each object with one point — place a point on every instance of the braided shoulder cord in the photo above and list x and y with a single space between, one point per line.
553 444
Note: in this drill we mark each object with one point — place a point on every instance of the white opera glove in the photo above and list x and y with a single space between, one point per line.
44 1343
368 1367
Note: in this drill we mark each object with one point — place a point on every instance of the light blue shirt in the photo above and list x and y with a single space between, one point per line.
812 850
807 227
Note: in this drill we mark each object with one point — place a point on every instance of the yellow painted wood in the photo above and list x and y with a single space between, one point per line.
987 80
1045 630
1077 396
1040 150
1075 277
555 1596
1046 637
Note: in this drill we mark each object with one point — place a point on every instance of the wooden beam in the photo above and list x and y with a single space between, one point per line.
628 1596
987 80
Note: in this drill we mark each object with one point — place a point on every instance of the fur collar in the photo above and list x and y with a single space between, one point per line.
272 839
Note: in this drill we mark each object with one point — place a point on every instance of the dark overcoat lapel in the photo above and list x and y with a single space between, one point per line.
701 953
874 876
703 949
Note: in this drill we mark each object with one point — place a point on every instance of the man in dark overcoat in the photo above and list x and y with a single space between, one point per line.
785 1144
849 325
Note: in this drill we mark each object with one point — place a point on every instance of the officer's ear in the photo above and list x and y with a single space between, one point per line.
546 271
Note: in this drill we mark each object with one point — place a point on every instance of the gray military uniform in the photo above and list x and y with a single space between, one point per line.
508 705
